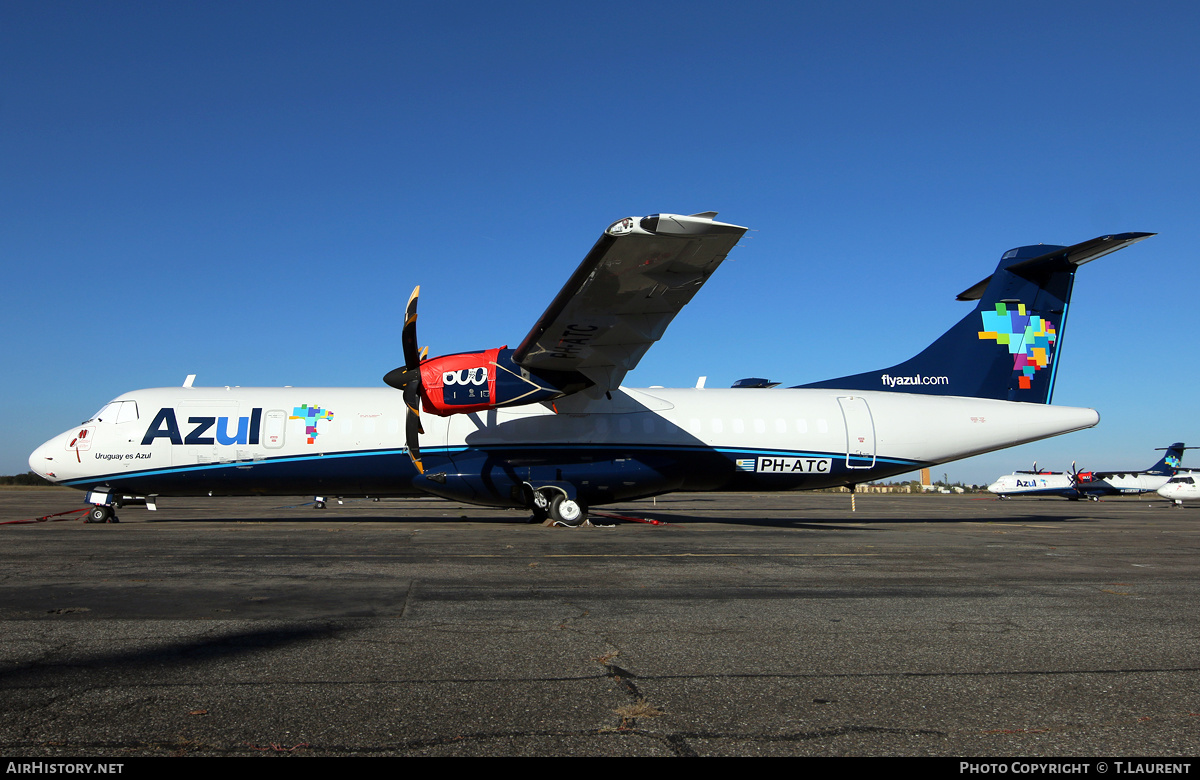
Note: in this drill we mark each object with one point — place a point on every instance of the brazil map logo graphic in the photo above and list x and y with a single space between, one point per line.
1029 338
311 415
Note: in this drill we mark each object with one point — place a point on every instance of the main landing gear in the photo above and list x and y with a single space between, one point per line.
552 506
566 510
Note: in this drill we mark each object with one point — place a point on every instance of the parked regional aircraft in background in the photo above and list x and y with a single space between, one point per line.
1075 484
1184 486
548 426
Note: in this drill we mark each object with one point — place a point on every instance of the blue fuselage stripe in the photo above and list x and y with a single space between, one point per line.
393 463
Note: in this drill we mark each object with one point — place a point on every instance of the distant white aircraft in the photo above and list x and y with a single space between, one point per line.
1036 483
549 427
1075 484
1184 486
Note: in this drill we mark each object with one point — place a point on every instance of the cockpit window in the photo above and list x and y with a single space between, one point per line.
98 415
115 412
128 412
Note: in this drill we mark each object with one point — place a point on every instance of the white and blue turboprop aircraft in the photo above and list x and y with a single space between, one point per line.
1184 486
1075 484
1036 482
549 427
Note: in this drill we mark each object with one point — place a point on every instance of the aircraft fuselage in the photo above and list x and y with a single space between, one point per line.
350 442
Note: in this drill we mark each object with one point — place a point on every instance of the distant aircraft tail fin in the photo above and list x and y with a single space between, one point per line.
1008 347
1171 461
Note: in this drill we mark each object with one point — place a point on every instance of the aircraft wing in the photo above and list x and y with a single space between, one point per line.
621 298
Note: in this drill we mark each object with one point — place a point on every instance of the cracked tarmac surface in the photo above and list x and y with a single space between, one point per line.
751 625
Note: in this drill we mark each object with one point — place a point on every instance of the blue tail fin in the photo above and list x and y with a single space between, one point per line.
1171 461
1008 347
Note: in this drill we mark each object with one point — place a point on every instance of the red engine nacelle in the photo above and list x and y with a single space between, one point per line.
454 384
474 381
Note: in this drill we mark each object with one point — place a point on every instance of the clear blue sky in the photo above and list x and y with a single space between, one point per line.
249 191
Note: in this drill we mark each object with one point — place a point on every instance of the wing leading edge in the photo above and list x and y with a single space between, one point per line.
625 293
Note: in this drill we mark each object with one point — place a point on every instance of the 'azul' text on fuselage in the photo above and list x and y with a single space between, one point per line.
166 426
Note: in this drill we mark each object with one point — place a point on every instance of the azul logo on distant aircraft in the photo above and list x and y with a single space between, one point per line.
166 426
1029 338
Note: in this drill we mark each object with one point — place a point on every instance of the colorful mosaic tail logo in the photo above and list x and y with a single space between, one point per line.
1029 339
310 415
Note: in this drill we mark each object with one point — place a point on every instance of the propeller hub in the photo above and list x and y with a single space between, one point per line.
400 378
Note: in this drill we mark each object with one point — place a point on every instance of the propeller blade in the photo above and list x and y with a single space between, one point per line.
408 379
408 337
412 428
412 399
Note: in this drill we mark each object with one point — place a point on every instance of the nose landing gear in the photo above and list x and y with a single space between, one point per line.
102 514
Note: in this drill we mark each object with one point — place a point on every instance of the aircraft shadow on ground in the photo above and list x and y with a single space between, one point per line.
846 521
182 654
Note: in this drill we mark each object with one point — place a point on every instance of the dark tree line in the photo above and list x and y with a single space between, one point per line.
28 478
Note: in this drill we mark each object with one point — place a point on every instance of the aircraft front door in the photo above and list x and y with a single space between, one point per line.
860 432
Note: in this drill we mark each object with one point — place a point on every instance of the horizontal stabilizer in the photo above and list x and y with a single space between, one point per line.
1056 257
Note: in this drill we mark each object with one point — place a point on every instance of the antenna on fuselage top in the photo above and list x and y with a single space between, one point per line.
190 378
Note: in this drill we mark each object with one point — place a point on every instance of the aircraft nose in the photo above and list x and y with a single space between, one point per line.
41 461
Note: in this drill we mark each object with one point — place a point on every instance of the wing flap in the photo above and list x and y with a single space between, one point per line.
625 293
